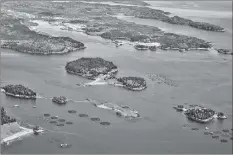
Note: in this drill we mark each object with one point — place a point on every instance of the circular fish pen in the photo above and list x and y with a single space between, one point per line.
61 120
53 122
60 124
95 119
69 123
194 129
105 123
54 117
46 115
72 111
215 137
83 115
223 140
225 130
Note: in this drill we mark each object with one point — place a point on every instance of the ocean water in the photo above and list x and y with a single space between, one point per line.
203 78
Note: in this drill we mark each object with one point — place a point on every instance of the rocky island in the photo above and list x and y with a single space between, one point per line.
19 91
133 83
91 68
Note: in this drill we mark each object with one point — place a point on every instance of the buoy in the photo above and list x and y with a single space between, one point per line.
206 128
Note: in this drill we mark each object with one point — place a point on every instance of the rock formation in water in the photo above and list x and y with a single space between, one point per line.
91 68
225 51
60 100
19 91
5 119
133 83
141 47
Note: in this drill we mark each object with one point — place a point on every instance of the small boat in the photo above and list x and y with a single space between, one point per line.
16 105
36 130
221 115
65 145
180 108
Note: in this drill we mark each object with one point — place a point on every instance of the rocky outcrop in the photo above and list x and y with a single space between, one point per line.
91 68
153 48
133 83
141 47
19 91
225 51
120 110
60 100
5 119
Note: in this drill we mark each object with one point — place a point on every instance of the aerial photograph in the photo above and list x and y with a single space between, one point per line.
116 77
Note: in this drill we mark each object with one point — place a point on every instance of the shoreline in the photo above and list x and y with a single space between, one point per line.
14 136
20 96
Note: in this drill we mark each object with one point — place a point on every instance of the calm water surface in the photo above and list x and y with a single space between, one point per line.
202 78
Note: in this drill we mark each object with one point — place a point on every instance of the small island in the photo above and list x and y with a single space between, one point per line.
60 100
19 91
133 83
200 114
91 68
44 45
